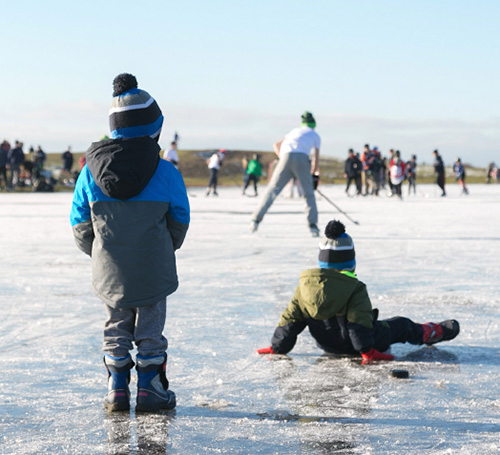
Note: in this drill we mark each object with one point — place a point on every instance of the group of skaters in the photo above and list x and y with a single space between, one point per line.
17 168
252 168
371 172
214 163
252 172
20 169
298 163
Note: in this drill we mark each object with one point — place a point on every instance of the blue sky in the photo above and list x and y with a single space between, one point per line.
410 75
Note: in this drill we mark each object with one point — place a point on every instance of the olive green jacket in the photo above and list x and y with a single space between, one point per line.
336 308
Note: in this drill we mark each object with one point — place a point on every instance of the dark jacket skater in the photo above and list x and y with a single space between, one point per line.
67 160
352 171
411 174
439 170
336 308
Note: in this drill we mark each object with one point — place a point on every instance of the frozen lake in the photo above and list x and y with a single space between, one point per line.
428 258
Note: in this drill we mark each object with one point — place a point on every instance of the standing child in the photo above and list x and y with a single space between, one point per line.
130 213
334 304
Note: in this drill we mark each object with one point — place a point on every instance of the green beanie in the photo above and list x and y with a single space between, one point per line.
308 119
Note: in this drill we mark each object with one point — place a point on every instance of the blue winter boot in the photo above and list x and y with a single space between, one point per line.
118 397
152 386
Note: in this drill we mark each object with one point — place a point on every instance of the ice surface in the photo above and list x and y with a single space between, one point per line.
428 258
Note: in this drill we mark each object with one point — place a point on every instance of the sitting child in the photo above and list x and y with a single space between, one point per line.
335 305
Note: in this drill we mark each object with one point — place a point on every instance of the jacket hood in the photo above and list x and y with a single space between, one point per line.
123 167
325 292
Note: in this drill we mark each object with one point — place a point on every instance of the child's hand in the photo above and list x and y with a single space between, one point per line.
373 354
268 350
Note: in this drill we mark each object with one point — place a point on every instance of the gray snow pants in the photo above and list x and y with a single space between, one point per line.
290 165
141 325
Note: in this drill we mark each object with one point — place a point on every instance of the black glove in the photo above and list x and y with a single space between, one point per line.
315 181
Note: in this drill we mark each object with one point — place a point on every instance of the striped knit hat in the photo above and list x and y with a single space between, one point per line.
336 251
133 112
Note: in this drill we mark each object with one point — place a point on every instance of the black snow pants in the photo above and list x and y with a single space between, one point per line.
396 330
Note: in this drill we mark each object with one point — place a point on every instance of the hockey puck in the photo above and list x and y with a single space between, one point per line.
400 374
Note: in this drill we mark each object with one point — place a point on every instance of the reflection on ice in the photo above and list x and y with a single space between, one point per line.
433 354
145 435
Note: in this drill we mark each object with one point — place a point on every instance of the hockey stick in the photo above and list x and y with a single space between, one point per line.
337 207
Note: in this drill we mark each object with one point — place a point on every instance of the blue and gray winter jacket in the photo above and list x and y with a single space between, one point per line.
130 213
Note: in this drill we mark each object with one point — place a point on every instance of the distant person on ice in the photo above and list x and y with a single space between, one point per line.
352 172
130 213
4 160
293 153
214 163
439 170
253 173
397 171
171 154
459 170
491 172
67 161
334 304
411 174
16 159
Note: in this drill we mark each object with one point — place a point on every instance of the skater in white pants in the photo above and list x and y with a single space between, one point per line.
293 153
